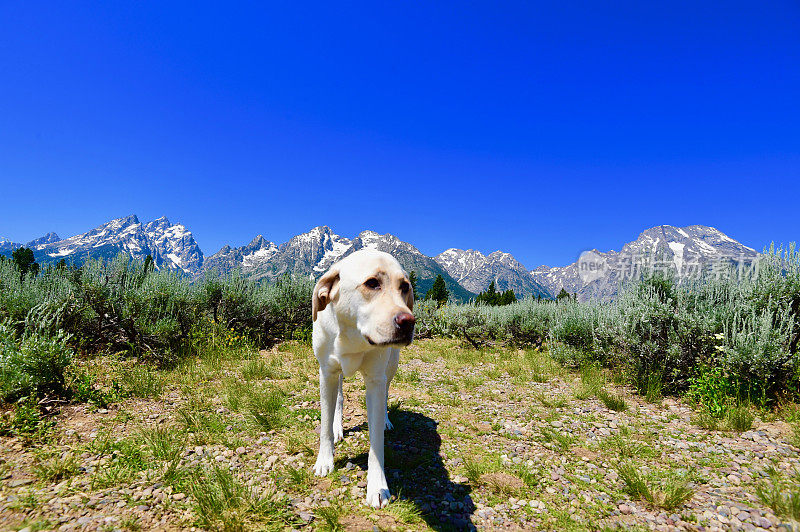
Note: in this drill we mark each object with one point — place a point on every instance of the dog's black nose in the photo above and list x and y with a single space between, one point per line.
405 321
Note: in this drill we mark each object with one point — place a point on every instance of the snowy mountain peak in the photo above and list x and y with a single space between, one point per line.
501 256
683 250
316 234
125 221
459 262
259 242
171 246
387 243
314 252
371 239
42 241
159 224
476 271
687 252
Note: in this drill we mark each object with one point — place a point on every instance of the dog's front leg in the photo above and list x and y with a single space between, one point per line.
338 430
377 489
391 370
328 386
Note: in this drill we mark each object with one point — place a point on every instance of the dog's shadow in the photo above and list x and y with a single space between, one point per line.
415 471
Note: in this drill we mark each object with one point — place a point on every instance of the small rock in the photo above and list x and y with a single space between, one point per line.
763 522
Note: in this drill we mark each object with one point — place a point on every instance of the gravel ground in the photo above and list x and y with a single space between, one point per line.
477 444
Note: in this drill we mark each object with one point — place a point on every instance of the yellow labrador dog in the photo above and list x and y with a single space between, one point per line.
361 310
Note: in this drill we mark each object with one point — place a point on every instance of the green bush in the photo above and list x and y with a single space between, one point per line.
574 325
122 305
32 366
734 335
711 389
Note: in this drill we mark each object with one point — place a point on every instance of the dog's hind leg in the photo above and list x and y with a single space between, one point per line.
327 401
338 430
391 371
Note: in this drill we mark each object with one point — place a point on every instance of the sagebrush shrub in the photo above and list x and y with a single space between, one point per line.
123 306
32 366
743 325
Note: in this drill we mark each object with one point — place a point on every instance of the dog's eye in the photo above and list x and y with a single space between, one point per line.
372 283
404 286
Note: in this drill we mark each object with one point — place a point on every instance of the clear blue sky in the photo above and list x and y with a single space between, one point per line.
534 127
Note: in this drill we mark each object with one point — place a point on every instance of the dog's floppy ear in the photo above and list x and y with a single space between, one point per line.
324 292
410 297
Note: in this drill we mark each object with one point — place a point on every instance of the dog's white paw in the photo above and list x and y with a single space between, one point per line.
388 424
323 466
338 432
378 498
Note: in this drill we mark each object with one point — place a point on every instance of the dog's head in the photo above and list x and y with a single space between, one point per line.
370 292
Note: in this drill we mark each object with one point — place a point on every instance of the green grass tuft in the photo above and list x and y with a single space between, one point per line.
739 418
781 496
672 493
52 467
612 401
223 502
406 511
328 518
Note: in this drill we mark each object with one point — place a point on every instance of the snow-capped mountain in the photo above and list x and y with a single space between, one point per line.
688 253
7 246
42 241
312 253
476 271
413 260
309 253
175 246
246 257
171 245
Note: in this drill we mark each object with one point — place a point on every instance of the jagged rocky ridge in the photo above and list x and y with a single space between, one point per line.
476 271
170 245
312 253
687 253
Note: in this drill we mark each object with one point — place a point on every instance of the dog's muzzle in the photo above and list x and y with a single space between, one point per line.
404 324
403 330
